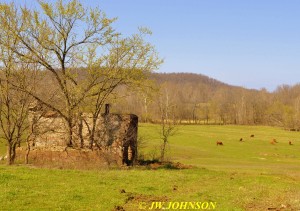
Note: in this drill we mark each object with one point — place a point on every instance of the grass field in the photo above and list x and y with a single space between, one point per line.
249 175
196 145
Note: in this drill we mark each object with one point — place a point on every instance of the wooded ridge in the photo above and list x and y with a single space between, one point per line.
199 99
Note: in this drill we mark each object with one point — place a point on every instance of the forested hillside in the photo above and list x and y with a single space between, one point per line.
198 99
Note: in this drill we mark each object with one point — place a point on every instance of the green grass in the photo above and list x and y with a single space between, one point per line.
253 175
36 189
196 145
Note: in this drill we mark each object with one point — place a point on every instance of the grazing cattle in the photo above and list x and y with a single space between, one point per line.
241 139
274 140
290 143
219 143
252 136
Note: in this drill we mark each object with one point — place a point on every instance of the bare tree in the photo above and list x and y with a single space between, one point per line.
168 122
14 105
85 68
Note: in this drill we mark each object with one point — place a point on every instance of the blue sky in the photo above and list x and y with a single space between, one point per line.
249 43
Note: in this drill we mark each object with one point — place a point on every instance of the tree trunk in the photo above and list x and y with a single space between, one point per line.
163 149
92 135
80 126
9 161
11 153
27 151
70 135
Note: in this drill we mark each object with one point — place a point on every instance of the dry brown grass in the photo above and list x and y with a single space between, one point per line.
69 159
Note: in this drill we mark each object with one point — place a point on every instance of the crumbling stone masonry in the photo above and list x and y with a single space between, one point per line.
115 136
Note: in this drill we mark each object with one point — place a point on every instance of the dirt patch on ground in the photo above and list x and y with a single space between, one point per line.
163 165
68 159
285 207
285 202
85 159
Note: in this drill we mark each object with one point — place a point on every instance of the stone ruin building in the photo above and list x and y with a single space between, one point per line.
115 135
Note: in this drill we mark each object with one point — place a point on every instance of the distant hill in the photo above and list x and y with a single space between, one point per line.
199 99
180 78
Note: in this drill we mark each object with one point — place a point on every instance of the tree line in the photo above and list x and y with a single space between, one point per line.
198 99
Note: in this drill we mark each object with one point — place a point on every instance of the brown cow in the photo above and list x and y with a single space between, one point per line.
252 136
274 140
241 139
219 143
290 143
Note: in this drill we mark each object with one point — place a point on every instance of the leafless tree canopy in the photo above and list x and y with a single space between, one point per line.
79 59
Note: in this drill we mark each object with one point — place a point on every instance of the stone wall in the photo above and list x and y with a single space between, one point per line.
115 135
